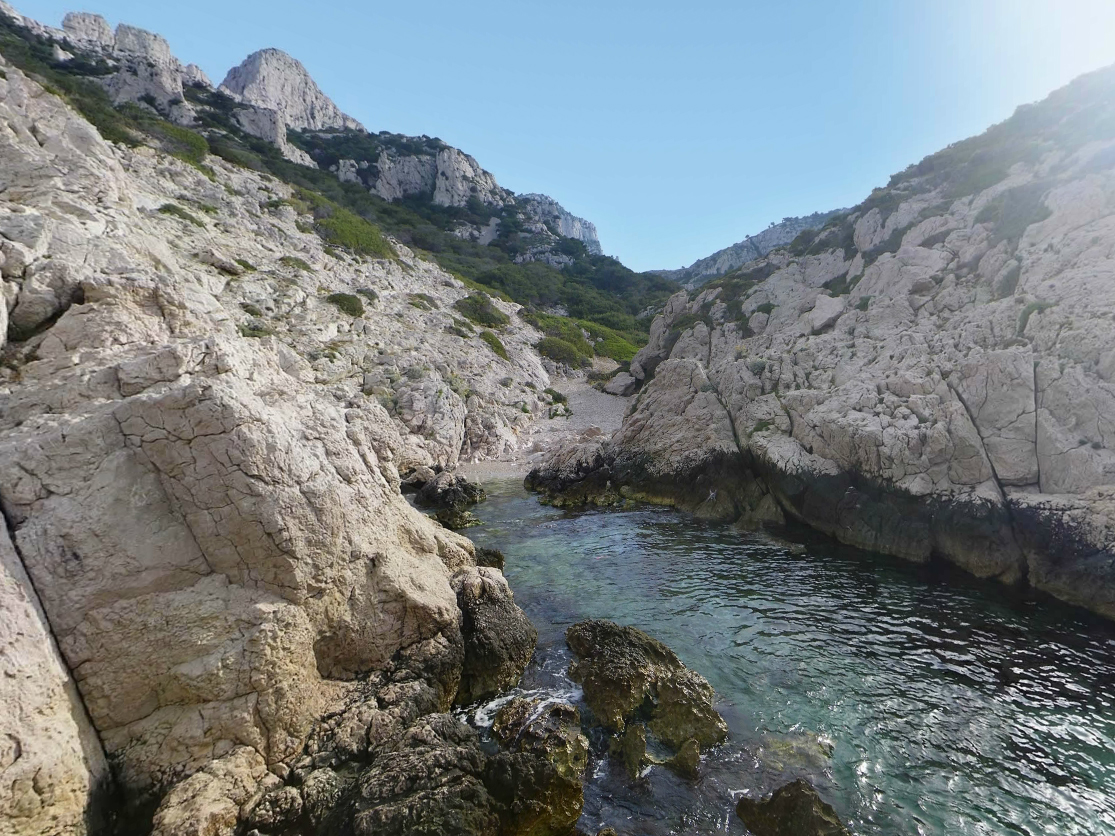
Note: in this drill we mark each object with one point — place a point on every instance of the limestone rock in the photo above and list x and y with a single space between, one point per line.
499 638
84 27
54 775
792 810
208 802
931 377
623 671
545 210
622 385
273 80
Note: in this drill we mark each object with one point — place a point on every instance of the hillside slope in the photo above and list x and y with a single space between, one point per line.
932 375
752 247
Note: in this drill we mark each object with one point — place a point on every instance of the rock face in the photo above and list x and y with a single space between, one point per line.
53 774
200 439
792 810
931 376
273 80
545 210
626 674
752 247
541 775
500 638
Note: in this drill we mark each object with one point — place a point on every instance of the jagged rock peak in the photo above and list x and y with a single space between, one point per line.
85 27
272 79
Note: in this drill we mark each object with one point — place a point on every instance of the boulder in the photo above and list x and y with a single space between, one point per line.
622 385
498 637
627 674
540 775
793 810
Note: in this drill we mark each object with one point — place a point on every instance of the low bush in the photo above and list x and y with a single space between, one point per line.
561 352
296 263
494 343
178 212
347 303
478 309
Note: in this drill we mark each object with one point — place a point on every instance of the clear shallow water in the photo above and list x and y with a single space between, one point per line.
916 704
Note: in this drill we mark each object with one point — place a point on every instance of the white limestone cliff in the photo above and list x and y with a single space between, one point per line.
274 80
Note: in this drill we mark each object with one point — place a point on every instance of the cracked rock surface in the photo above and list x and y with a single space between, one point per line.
206 549
931 376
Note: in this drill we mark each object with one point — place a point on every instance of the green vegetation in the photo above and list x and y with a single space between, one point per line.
766 308
254 330
368 294
178 212
296 263
609 343
555 395
249 308
342 228
863 302
247 266
347 303
478 309
494 343
560 351
422 301
761 426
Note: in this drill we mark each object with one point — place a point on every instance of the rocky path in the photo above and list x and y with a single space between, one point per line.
594 415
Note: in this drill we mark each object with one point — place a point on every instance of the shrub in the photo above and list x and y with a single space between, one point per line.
346 229
766 308
347 303
478 308
296 263
178 212
249 308
561 352
555 395
368 294
422 301
862 303
254 330
246 265
493 342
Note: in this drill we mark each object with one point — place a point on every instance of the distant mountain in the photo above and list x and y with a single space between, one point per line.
749 249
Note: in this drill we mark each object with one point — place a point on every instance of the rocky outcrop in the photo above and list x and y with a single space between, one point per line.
273 80
53 774
793 810
930 376
752 247
499 638
543 209
200 444
627 676
540 776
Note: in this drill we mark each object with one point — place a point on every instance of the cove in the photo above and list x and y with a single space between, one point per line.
915 703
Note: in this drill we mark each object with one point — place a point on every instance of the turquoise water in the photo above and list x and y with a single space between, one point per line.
916 704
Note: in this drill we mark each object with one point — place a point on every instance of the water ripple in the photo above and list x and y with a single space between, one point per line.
916 704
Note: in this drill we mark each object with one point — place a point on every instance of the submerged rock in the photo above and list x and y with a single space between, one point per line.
448 495
628 675
793 810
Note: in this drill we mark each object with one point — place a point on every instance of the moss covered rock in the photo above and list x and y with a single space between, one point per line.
629 676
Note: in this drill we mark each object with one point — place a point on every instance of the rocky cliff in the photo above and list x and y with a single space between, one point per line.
749 249
931 375
217 606
273 80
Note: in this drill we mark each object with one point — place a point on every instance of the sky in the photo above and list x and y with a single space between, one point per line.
677 128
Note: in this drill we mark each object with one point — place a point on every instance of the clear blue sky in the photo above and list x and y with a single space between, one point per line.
678 128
